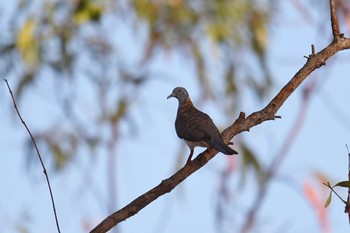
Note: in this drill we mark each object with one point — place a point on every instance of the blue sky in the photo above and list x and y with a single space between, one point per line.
143 161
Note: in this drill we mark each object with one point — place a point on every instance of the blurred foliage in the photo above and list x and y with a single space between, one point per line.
251 163
27 45
53 37
231 26
87 11
74 44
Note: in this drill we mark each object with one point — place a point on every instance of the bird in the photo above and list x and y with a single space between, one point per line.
196 128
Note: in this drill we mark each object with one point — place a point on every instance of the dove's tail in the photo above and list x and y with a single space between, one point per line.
223 148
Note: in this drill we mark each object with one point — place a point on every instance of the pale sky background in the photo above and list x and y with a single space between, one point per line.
144 161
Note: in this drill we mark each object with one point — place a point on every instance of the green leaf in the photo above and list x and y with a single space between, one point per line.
87 11
329 199
345 184
251 163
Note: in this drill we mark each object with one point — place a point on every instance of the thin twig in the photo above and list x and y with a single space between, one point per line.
347 206
334 20
38 153
332 189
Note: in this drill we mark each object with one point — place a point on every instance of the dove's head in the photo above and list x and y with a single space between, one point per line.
179 93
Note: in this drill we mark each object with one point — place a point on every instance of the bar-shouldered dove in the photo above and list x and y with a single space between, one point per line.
196 127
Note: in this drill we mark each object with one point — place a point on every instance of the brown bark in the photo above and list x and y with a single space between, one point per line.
243 123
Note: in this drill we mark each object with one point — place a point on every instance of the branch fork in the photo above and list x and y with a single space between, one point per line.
241 124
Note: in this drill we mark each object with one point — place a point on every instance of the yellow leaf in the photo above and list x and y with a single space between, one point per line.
217 31
329 199
26 43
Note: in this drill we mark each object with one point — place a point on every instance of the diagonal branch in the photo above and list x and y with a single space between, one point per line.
268 113
243 123
38 153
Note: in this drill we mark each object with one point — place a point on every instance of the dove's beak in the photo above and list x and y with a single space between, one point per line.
171 95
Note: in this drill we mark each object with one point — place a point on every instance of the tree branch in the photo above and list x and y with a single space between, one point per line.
314 61
334 20
38 153
241 124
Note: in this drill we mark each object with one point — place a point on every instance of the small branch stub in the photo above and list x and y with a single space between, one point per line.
313 55
313 52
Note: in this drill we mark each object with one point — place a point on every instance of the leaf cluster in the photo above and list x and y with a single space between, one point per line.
54 39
